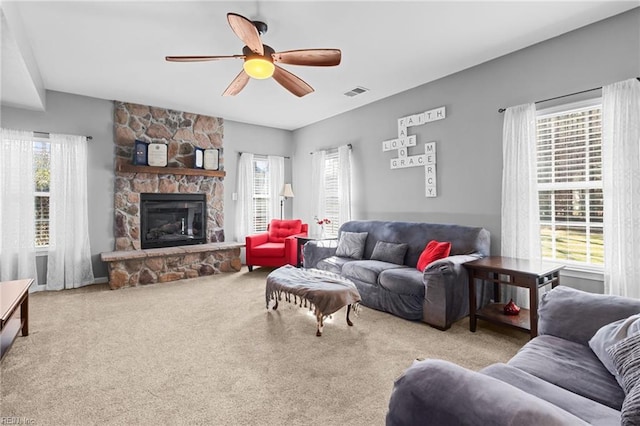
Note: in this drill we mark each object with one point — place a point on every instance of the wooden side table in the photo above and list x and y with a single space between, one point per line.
510 271
13 295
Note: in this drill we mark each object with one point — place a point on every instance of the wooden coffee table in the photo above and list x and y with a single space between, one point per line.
13 295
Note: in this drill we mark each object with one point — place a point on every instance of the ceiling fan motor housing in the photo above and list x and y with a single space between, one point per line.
261 27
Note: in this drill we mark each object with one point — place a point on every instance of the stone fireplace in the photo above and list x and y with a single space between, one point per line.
181 132
181 207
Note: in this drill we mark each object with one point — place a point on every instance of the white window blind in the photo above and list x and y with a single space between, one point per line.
569 172
261 195
332 202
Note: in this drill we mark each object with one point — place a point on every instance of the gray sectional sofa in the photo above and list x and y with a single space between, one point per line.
439 295
555 379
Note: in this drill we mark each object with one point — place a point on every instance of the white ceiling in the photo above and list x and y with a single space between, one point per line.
115 50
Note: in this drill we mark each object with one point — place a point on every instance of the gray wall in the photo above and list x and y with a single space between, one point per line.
469 140
242 137
80 115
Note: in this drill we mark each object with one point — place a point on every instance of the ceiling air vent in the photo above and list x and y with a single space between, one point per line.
356 91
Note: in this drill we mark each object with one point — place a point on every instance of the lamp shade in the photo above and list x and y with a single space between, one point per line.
287 192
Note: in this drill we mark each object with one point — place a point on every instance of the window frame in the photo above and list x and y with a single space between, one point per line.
265 195
41 249
586 185
331 180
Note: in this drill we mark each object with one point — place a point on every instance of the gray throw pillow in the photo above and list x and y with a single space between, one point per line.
351 244
626 360
610 334
389 252
630 413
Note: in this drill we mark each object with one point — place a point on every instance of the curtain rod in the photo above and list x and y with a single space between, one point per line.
265 155
348 145
501 110
47 133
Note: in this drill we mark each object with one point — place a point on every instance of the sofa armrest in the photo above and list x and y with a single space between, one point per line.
576 315
446 297
436 392
314 251
291 248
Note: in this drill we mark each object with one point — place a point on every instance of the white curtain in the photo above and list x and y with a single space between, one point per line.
17 207
317 184
69 254
344 183
244 208
520 210
621 186
276 182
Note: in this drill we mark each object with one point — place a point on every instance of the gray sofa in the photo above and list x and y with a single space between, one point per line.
439 295
555 379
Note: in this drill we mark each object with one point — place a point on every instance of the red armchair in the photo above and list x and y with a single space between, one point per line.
276 247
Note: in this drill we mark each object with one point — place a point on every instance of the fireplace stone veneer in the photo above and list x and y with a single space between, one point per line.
130 264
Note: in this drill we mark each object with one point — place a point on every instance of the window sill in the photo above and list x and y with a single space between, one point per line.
585 273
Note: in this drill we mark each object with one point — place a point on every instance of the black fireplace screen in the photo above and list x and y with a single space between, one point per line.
168 220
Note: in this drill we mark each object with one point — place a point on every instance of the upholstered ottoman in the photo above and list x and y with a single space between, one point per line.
324 292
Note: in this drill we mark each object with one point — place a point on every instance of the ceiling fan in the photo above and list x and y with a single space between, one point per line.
260 60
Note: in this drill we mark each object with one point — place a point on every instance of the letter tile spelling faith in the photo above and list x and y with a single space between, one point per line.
404 141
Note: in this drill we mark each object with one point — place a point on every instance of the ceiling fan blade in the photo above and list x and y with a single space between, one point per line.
237 84
290 82
200 58
312 57
246 31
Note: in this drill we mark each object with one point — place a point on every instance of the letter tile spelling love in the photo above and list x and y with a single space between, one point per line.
404 141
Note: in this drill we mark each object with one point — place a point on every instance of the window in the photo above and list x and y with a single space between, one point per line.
41 161
261 195
332 200
569 172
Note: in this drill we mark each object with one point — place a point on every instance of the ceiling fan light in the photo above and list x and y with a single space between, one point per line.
259 68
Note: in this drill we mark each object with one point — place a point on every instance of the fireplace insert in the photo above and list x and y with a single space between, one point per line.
168 220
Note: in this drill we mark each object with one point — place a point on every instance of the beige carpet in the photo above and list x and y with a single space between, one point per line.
206 351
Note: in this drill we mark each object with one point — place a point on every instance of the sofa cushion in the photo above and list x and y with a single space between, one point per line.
333 264
436 392
351 244
402 281
281 229
570 365
577 405
389 252
268 250
626 361
366 270
611 334
567 320
433 251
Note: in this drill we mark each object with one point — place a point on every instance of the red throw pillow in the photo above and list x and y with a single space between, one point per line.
433 251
